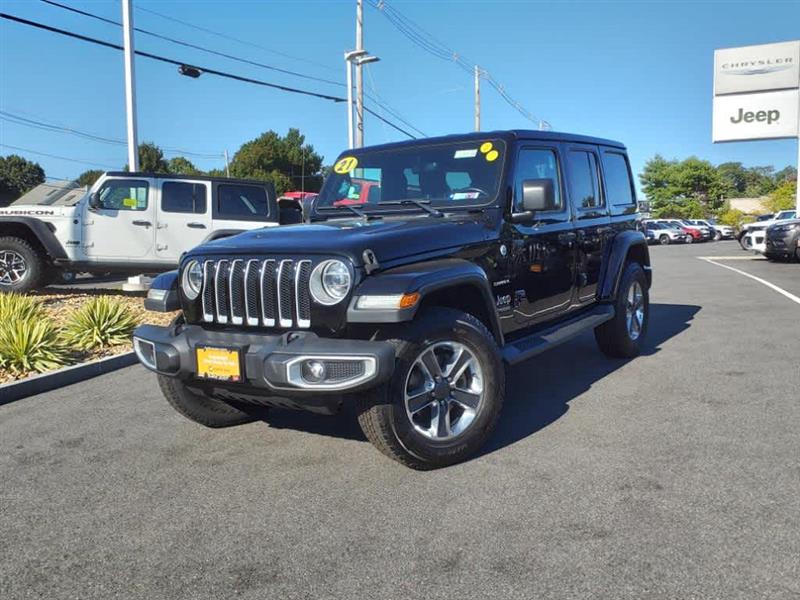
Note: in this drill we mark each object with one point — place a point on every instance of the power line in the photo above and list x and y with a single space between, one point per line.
234 39
75 160
427 42
379 101
177 63
20 120
193 46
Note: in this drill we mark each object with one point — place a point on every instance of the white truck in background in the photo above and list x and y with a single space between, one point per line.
126 223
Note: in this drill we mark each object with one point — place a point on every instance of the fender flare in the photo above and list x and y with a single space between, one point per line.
618 253
40 231
424 278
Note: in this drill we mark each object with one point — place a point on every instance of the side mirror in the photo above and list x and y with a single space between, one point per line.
537 196
94 201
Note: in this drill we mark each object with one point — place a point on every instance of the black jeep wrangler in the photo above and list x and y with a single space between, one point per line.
427 266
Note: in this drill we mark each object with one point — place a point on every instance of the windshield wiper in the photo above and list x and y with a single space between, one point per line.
423 204
352 209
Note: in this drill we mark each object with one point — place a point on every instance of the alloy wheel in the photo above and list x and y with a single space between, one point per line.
444 390
634 310
12 267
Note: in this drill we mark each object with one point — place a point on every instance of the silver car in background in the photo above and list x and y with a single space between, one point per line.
664 234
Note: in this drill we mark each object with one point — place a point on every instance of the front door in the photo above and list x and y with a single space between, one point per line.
592 221
121 229
543 251
184 217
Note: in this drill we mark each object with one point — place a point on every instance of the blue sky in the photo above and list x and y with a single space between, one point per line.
640 72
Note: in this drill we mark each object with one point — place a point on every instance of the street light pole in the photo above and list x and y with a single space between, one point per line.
349 66
359 79
130 85
477 98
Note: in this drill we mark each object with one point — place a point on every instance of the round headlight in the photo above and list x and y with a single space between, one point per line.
330 282
192 280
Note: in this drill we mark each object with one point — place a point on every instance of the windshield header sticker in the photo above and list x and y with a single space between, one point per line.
487 149
345 165
492 155
471 153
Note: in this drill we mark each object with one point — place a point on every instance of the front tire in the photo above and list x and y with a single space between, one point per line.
200 408
444 397
622 336
717 236
689 239
21 267
664 240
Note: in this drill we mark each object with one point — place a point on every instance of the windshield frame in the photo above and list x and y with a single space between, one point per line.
389 207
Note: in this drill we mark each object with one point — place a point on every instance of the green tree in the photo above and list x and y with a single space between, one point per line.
760 181
691 188
734 178
87 178
182 166
18 176
783 198
151 159
786 174
288 162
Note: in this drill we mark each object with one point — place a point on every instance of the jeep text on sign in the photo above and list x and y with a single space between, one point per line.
762 68
756 116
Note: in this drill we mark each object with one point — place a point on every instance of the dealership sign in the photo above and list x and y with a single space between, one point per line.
757 92
768 115
762 68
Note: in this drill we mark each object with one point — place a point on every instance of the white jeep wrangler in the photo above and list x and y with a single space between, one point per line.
126 223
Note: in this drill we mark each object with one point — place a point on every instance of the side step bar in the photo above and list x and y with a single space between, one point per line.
536 343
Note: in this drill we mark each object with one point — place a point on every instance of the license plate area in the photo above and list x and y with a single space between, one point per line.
219 363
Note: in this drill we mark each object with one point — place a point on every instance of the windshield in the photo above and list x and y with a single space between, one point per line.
446 176
786 215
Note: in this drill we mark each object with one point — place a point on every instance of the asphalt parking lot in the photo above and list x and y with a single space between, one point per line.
675 475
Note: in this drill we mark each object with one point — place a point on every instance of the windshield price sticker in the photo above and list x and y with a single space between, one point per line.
487 149
471 153
345 165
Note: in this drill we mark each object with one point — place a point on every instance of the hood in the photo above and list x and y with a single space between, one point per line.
389 238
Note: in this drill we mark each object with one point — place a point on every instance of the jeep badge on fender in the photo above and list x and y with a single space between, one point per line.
470 253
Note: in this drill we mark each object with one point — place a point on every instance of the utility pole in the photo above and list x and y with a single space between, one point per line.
477 98
359 142
227 164
349 66
130 85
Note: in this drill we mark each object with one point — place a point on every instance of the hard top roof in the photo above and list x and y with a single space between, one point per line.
186 177
508 135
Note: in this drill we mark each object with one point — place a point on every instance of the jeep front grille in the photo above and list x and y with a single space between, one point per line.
257 293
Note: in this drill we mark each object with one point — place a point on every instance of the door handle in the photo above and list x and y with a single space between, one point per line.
142 223
196 225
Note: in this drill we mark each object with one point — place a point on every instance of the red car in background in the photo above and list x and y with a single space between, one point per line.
693 234
360 191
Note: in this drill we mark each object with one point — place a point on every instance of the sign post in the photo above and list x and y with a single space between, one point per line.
757 95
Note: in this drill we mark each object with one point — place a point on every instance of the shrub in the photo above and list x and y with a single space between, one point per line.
14 307
31 344
100 323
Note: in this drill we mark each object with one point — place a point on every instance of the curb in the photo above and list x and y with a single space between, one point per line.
45 382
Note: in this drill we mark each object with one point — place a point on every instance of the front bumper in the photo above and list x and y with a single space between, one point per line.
781 244
270 364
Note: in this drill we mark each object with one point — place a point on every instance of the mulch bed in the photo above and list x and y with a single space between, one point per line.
60 303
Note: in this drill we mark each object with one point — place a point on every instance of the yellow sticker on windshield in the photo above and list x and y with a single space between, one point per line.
492 155
485 147
345 165
129 202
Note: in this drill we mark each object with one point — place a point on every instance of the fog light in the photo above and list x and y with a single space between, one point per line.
313 371
146 351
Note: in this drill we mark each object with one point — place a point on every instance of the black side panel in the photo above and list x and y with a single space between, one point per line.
623 243
425 278
39 229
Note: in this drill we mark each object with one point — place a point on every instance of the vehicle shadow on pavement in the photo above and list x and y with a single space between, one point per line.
539 391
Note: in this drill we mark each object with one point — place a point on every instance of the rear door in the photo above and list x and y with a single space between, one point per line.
543 259
184 216
239 206
122 228
592 221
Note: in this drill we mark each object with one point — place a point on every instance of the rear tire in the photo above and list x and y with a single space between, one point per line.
717 236
416 419
199 407
21 267
689 239
664 240
622 336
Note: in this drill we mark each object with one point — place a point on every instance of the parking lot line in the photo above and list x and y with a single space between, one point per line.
772 286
